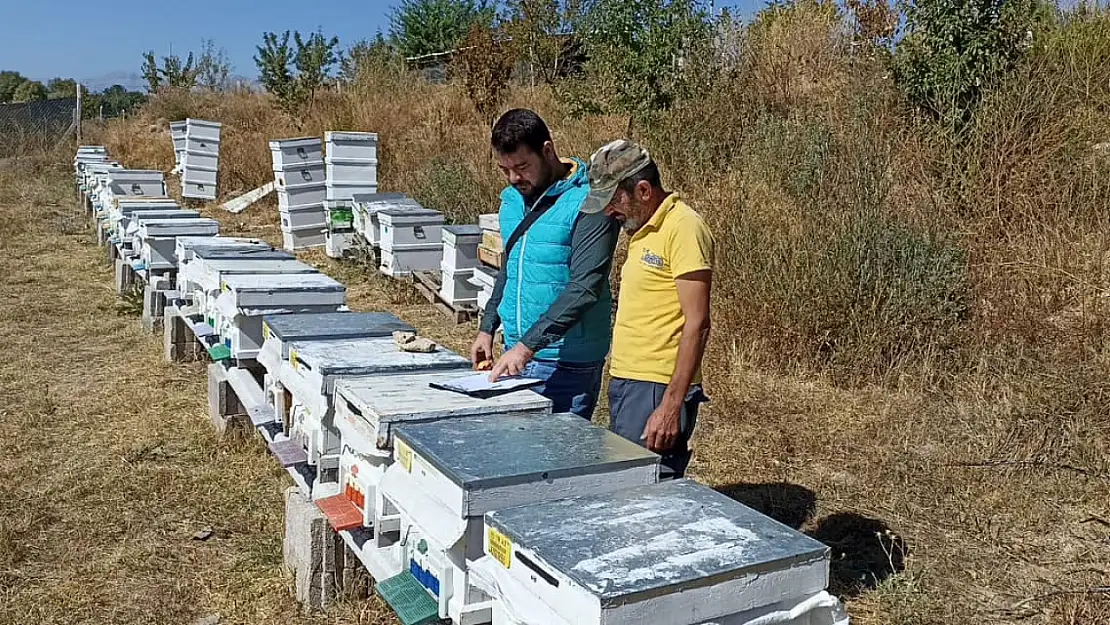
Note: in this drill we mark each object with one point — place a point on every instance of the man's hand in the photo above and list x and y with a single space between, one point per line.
482 349
511 362
662 428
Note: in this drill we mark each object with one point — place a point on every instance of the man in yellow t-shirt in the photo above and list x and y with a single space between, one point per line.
662 322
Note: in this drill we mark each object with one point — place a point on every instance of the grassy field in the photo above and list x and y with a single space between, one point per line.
109 466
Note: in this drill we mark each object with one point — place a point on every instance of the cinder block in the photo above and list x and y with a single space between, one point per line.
178 343
154 304
307 537
324 570
224 408
125 276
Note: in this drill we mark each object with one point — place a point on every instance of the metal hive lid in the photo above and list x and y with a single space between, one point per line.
483 452
654 539
339 325
369 356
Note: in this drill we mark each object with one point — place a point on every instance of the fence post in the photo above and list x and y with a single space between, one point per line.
78 113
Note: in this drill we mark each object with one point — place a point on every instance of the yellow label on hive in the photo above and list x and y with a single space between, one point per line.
223 286
500 547
404 455
293 359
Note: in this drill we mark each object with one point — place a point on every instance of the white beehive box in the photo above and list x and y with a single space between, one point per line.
352 171
308 196
351 145
281 330
455 287
177 135
292 153
188 247
127 236
304 238
192 249
400 263
368 205
460 247
206 276
119 215
244 299
490 221
401 228
295 219
367 409
158 237
446 475
674 553
348 190
198 190
136 182
314 366
201 134
299 175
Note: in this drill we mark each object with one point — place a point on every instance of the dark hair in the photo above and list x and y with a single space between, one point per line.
519 127
650 173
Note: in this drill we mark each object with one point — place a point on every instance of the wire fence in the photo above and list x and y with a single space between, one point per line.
36 126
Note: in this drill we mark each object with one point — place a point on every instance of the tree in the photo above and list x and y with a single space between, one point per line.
954 50
485 65
9 82
636 51
29 91
58 88
213 67
314 59
151 73
273 60
364 54
177 74
420 27
542 30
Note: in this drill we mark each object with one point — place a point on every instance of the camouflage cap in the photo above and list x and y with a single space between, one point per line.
612 164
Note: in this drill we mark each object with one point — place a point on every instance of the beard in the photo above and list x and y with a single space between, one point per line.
631 225
532 192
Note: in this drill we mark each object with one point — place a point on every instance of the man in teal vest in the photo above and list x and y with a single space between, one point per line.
552 297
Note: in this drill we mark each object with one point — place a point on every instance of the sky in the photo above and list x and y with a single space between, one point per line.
100 43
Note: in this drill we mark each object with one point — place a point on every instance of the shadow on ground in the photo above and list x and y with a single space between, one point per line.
789 504
864 551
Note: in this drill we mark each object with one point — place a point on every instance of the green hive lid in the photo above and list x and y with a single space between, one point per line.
413 604
219 351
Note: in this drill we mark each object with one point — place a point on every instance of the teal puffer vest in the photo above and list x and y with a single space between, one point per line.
538 269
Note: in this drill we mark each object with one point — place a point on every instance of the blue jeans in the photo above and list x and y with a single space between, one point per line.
571 386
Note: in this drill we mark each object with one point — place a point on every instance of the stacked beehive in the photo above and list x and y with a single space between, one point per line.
200 161
177 135
485 271
460 258
352 164
340 229
299 177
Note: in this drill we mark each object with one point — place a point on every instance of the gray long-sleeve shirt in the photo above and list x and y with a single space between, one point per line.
591 257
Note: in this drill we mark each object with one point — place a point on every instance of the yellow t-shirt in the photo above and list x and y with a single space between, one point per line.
649 322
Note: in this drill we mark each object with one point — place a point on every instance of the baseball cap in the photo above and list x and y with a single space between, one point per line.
613 163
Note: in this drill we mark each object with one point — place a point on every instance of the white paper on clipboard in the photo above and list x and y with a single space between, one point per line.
479 383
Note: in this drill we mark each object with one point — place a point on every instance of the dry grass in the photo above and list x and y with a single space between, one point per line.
940 419
108 464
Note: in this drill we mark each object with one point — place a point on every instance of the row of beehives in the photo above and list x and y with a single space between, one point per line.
196 155
481 510
132 211
312 184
